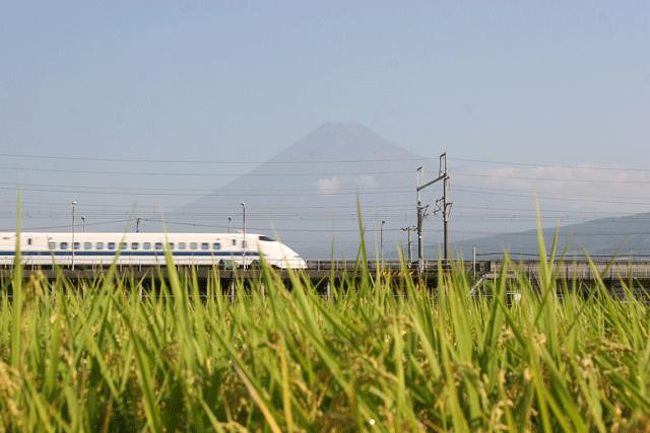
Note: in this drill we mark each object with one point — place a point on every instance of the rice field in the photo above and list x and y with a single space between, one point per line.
106 356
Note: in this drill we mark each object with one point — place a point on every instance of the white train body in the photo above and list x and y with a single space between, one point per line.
93 249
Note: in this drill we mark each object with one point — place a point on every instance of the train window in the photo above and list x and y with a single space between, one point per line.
110 245
216 246
29 241
99 245
266 239
158 245
193 245
135 245
181 245
51 245
146 246
88 245
63 245
205 246
170 245
234 242
243 244
122 245
76 246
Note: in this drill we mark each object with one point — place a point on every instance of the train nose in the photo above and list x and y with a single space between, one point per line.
292 259
297 262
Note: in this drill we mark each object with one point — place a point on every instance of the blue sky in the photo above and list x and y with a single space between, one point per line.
547 82
536 81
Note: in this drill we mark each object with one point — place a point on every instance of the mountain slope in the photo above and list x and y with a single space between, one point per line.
618 236
307 195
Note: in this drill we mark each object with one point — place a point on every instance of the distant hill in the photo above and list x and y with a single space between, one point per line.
609 237
307 194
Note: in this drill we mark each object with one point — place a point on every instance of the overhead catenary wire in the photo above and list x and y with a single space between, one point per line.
405 216
198 225
544 193
67 226
207 190
268 208
415 158
544 211
552 179
208 161
486 210
210 192
563 166
190 194
548 196
314 189
197 206
194 174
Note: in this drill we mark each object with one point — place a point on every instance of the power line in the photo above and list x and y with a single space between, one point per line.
207 190
204 161
586 200
404 215
186 174
302 192
189 194
67 226
483 213
290 192
11 202
580 211
305 217
212 226
551 179
537 165
310 161
266 209
537 191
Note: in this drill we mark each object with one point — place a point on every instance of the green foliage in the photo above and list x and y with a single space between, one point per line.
116 354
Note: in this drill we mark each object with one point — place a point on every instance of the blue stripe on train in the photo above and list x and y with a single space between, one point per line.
133 253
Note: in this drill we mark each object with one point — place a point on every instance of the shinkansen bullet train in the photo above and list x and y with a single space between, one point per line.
225 250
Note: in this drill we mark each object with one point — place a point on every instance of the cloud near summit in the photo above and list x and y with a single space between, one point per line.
328 185
332 185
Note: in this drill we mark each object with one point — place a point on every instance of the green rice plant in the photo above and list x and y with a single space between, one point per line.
171 353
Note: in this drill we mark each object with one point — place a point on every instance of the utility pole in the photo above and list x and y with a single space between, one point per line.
408 241
74 203
381 240
474 262
83 223
229 222
243 206
137 224
445 207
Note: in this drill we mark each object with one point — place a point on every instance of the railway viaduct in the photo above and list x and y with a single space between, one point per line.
634 274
